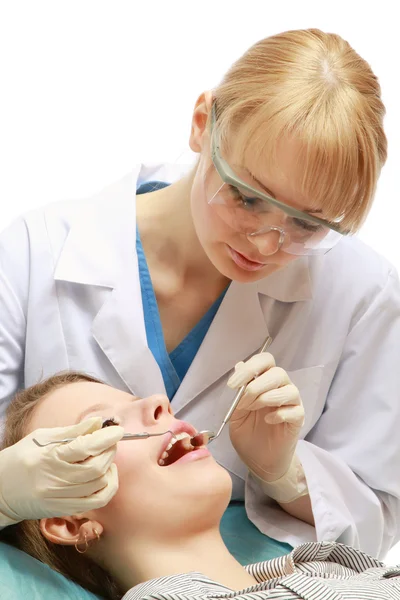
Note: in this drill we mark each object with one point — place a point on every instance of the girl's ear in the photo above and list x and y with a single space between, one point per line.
68 531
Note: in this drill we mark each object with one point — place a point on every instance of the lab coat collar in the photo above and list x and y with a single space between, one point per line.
290 284
92 251
101 235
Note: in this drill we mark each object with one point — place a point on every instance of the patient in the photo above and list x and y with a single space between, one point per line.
164 519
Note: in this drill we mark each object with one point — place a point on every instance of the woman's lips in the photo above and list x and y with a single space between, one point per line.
243 262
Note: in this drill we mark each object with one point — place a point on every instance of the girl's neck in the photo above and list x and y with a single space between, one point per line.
204 553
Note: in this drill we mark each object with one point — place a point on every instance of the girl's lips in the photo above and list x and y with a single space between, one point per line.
177 427
197 454
243 262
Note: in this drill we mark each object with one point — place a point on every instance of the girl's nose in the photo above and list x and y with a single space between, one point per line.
155 408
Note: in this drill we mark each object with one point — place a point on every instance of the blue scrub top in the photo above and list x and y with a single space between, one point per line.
174 365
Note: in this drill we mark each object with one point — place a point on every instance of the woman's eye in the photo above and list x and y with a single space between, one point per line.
251 202
110 421
307 225
246 201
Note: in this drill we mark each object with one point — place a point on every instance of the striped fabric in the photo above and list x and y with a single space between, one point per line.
313 571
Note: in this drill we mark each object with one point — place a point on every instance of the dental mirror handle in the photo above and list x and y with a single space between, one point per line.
127 436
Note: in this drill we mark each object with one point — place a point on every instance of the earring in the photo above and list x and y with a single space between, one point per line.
86 542
85 548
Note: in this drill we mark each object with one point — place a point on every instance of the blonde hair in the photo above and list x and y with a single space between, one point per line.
26 536
311 87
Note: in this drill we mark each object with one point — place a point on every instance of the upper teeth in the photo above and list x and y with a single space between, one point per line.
178 436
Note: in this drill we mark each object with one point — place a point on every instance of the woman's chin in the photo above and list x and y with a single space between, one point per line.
224 263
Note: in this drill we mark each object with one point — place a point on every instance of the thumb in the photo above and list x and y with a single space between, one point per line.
59 433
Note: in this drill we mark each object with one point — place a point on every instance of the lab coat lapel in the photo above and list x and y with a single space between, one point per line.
119 330
237 331
240 327
100 252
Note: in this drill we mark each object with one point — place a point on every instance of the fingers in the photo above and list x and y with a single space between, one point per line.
103 497
89 470
53 434
292 415
246 371
273 388
89 445
66 489
90 496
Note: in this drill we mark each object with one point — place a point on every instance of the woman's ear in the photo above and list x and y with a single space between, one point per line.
201 113
68 531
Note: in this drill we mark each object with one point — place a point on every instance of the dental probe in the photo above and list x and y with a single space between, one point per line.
207 436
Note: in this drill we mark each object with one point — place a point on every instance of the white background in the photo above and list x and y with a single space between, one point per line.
90 87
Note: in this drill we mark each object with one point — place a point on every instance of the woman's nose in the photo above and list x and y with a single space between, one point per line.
268 243
155 409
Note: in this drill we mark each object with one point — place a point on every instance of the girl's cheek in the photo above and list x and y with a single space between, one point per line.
127 458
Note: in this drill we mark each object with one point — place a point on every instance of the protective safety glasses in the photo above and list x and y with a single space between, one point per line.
241 202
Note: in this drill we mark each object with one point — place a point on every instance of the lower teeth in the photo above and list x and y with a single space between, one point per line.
161 461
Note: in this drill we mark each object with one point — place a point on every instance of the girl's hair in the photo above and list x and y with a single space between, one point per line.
27 535
313 88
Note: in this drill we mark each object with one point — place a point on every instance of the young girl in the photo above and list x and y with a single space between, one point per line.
160 533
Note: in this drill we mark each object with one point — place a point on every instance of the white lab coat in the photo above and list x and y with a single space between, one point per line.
70 299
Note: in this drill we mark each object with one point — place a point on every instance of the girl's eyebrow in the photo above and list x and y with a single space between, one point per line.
94 408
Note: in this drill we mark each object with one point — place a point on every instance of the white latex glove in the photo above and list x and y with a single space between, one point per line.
265 426
61 479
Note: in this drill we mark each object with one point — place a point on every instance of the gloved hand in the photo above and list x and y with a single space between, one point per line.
265 426
61 479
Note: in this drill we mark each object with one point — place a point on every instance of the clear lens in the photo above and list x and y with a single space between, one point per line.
255 216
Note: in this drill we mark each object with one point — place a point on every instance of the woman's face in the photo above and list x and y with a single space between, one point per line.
226 246
152 500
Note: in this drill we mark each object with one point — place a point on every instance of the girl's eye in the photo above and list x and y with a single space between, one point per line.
110 421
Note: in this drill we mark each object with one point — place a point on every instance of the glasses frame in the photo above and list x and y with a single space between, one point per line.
229 176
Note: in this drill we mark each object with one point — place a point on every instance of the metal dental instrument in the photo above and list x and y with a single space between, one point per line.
209 436
127 436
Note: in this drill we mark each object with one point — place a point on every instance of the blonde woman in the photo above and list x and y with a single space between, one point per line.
154 287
